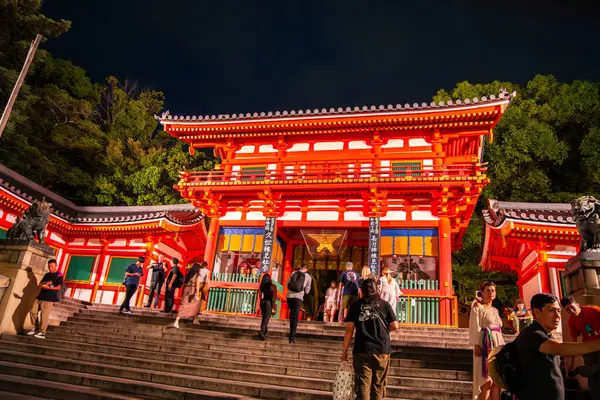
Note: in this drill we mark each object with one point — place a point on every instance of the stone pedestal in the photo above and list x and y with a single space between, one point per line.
582 278
24 264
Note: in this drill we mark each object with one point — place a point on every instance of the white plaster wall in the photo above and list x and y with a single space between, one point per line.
255 216
354 216
94 242
299 147
322 216
83 294
267 148
105 262
329 146
105 297
117 243
394 216
423 215
77 242
531 288
393 143
291 216
137 243
416 142
246 149
232 216
56 237
11 218
358 144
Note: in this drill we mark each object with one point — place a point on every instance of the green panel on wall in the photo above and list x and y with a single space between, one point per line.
2 234
118 265
80 268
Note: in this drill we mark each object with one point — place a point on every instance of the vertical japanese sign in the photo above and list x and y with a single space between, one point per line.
268 242
374 240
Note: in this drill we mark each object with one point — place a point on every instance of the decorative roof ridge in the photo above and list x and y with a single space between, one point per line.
557 207
555 213
29 191
502 96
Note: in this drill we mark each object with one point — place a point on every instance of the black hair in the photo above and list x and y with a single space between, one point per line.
370 292
192 273
265 283
204 264
304 265
541 299
51 261
566 301
484 285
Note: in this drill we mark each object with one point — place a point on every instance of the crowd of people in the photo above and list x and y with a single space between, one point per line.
538 353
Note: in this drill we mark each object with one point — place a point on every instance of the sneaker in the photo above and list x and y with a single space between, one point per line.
32 332
127 312
40 335
147 306
173 326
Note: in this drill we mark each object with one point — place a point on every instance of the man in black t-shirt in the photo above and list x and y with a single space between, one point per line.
373 320
157 280
174 282
539 352
50 287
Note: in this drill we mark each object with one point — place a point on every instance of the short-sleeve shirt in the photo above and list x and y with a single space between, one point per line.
586 324
542 371
175 277
53 279
158 272
133 280
349 281
203 273
372 337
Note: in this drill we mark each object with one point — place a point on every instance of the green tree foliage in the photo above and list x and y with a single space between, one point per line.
545 149
93 143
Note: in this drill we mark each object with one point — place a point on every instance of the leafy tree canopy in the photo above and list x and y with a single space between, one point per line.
546 148
93 143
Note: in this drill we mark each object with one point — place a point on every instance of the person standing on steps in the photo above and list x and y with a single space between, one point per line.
484 334
331 302
584 321
204 276
298 285
50 287
191 297
157 280
349 284
373 319
174 282
267 294
132 280
388 288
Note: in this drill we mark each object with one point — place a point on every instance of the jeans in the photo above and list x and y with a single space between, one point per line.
370 374
129 292
294 305
265 310
154 287
591 371
170 298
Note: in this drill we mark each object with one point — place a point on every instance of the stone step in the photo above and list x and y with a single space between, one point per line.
326 368
22 388
220 381
213 340
401 334
403 337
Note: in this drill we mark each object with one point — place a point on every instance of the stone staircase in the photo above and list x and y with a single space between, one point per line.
99 354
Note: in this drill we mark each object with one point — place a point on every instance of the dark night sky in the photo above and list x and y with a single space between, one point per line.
243 56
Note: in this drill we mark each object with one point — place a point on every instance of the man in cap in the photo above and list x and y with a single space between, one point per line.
132 280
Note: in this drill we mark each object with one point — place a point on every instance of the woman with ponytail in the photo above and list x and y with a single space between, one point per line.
267 295
373 319
389 289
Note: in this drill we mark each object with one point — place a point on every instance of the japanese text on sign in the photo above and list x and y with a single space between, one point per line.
267 250
374 239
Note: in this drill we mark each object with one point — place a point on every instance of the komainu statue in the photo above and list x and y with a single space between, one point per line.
586 211
32 224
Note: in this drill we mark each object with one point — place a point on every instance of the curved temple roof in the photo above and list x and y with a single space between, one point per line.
340 111
555 213
181 214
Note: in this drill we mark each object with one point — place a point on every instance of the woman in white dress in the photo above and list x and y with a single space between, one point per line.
389 289
331 302
484 335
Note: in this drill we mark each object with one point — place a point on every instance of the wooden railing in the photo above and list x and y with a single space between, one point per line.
228 277
427 310
237 294
332 171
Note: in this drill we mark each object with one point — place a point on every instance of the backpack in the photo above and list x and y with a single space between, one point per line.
296 283
505 368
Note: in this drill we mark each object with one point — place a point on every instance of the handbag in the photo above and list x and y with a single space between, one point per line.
343 384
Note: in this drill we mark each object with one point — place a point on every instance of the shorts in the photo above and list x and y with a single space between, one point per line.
348 299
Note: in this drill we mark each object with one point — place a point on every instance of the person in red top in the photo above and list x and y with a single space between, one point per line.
584 321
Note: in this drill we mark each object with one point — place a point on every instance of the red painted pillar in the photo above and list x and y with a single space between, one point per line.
445 267
544 271
211 242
